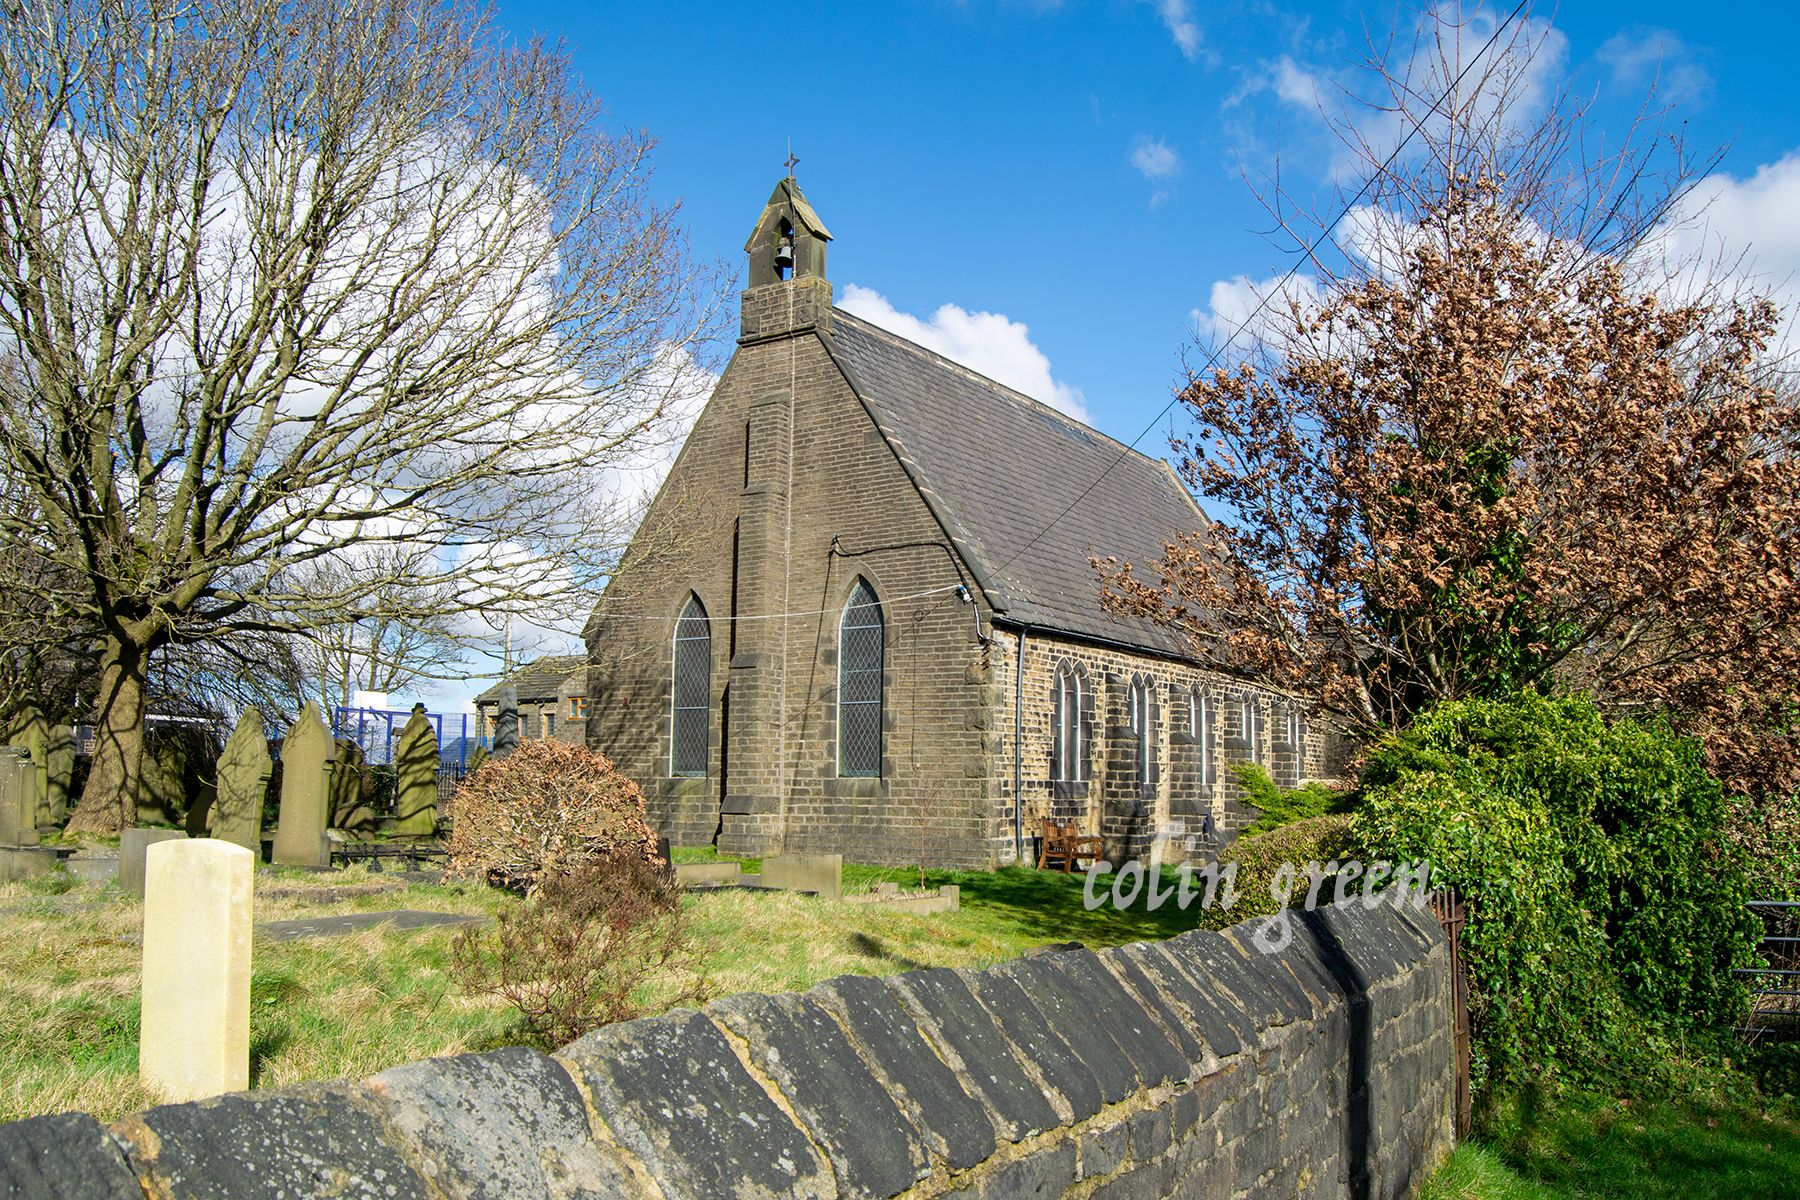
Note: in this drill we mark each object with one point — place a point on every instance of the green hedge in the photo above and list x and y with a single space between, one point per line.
1607 908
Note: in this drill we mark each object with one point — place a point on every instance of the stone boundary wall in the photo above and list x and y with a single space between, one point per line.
1194 1067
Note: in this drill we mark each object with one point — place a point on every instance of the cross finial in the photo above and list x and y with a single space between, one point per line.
792 158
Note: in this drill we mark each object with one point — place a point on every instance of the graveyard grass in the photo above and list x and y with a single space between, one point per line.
325 1008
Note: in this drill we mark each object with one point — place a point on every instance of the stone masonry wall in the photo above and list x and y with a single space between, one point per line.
1195 1067
1186 785
785 494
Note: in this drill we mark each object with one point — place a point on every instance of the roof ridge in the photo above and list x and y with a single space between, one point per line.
1008 389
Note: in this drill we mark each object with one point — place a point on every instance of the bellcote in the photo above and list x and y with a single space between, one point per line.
789 239
788 291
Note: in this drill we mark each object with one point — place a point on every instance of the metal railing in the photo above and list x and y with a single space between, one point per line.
1774 1012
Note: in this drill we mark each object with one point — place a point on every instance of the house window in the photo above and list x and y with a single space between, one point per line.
1139 720
690 692
577 708
860 639
1294 732
1253 722
1068 754
549 724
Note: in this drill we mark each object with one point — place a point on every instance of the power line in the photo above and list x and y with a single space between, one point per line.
1310 253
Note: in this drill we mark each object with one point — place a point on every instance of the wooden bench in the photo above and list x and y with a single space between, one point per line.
1063 842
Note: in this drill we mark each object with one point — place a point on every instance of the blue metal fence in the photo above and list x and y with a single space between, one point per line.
377 729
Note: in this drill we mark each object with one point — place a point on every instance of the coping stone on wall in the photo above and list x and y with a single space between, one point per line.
792 1040
1031 1030
63 1155
271 1146
1174 1025
953 1122
507 1123
942 1000
1155 1058
1225 1030
675 1094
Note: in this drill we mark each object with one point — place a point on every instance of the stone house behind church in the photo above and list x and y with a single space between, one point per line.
852 619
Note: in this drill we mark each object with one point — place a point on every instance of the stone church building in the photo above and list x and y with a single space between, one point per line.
852 620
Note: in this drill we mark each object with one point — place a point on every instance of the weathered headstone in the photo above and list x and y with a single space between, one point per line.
61 767
477 756
306 756
506 723
821 873
34 736
352 806
243 783
18 797
416 766
194 1025
134 845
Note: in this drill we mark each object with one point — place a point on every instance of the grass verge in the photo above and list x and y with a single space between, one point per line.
349 1006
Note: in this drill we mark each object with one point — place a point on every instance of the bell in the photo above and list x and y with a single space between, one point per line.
784 255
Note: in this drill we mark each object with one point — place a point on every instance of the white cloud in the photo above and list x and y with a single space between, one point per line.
1742 230
1518 75
1295 84
990 343
1232 318
1155 160
1178 16
1643 58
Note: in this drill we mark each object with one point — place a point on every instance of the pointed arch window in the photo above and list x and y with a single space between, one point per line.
1140 721
1201 719
690 693
861 638
1068 753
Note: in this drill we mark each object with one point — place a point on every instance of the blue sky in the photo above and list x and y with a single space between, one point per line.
1056 191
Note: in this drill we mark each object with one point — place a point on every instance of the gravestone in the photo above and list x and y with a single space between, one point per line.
506 723
61 766
306 756
821 873
18 797
416 768
243 783
134 845
34 736
194 1024
351 808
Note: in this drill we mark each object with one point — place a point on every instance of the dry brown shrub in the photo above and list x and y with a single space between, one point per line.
588 949
544 809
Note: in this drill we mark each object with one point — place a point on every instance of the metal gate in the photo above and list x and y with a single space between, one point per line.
1775 988
1453 914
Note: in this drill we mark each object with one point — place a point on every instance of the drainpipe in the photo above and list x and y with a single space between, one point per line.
1019 756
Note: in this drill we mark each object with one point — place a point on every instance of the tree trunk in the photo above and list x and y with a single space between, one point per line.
109 801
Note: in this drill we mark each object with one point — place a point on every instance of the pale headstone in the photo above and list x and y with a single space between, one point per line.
416 767
821 873
194 1024
244 770
134 843
306 755
506 723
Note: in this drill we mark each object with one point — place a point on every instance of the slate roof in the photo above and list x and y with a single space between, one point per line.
999 466
537 680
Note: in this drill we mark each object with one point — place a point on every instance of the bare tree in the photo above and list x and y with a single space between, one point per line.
287 281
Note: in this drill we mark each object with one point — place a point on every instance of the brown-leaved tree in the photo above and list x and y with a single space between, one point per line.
1501 449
